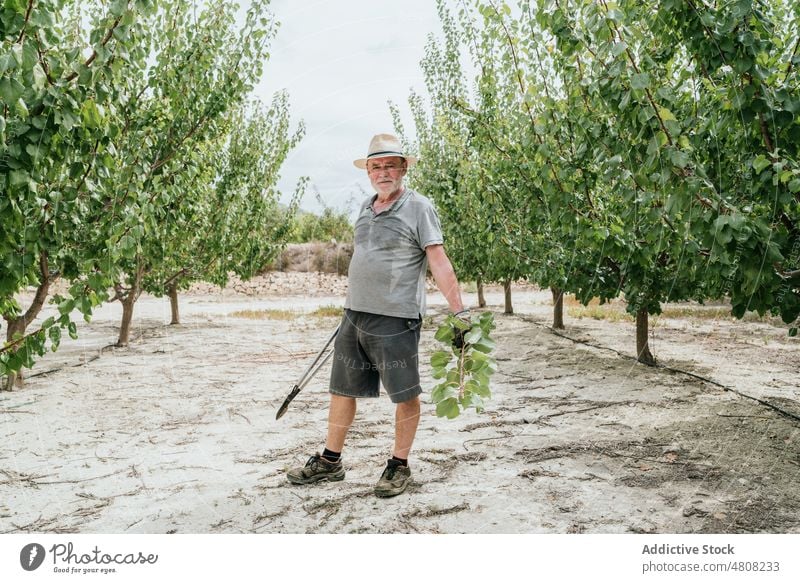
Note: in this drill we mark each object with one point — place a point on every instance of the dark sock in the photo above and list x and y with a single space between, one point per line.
331 456
401 462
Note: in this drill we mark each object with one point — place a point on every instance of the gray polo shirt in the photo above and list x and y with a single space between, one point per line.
387 271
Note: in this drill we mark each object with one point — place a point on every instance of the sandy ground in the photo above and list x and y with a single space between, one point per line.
177 432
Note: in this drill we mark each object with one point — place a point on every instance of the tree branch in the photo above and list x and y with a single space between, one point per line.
765 133
170 280
789 68
41 291
43 62
156 165
21 36
636 68
93 56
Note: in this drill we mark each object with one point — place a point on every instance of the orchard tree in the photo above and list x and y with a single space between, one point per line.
231 222
455 173
624 148
741 61
60 86
202 68
103 130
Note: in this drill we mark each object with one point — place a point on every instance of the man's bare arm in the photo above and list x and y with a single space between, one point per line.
444 276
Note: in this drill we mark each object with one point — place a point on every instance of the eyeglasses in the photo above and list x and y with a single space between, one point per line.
391 167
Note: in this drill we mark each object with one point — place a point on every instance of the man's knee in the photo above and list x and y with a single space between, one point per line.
342 405
410 405
342 399
412 401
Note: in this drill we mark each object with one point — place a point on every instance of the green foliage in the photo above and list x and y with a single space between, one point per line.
465 372
129 155
227 218
626 148
64 68
330 225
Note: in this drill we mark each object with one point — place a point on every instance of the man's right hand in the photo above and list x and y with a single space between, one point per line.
458 333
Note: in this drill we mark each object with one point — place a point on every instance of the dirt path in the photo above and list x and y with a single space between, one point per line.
176 433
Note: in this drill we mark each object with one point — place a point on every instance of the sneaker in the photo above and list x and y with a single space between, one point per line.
394 480
317 468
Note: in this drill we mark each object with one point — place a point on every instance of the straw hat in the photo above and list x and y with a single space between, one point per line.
384 146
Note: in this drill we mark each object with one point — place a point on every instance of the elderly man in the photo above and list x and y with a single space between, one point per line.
397 234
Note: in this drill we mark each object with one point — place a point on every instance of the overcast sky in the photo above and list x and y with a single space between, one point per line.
341 62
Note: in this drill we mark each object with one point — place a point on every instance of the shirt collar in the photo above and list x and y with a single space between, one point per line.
395 205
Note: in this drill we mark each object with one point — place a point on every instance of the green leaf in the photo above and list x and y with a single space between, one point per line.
10 90
479 388
474 365
21 108
666 115
7 62
640 81
35 151
42 17
55 337
90 114
794 185
485 345
443 391
477 402
444 333
17 52
760 163
473 335
39 77
441 358
127 243
18 177
118 7
793 332
679 158
448 408
17 6
66 306
626 99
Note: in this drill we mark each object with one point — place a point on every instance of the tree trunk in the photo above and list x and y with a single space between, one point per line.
127 306
558 308
507 289
643 353
173 303
14 379
127 316
20 325
481 297
14 326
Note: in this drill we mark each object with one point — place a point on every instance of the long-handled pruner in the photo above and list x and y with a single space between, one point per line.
313 369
